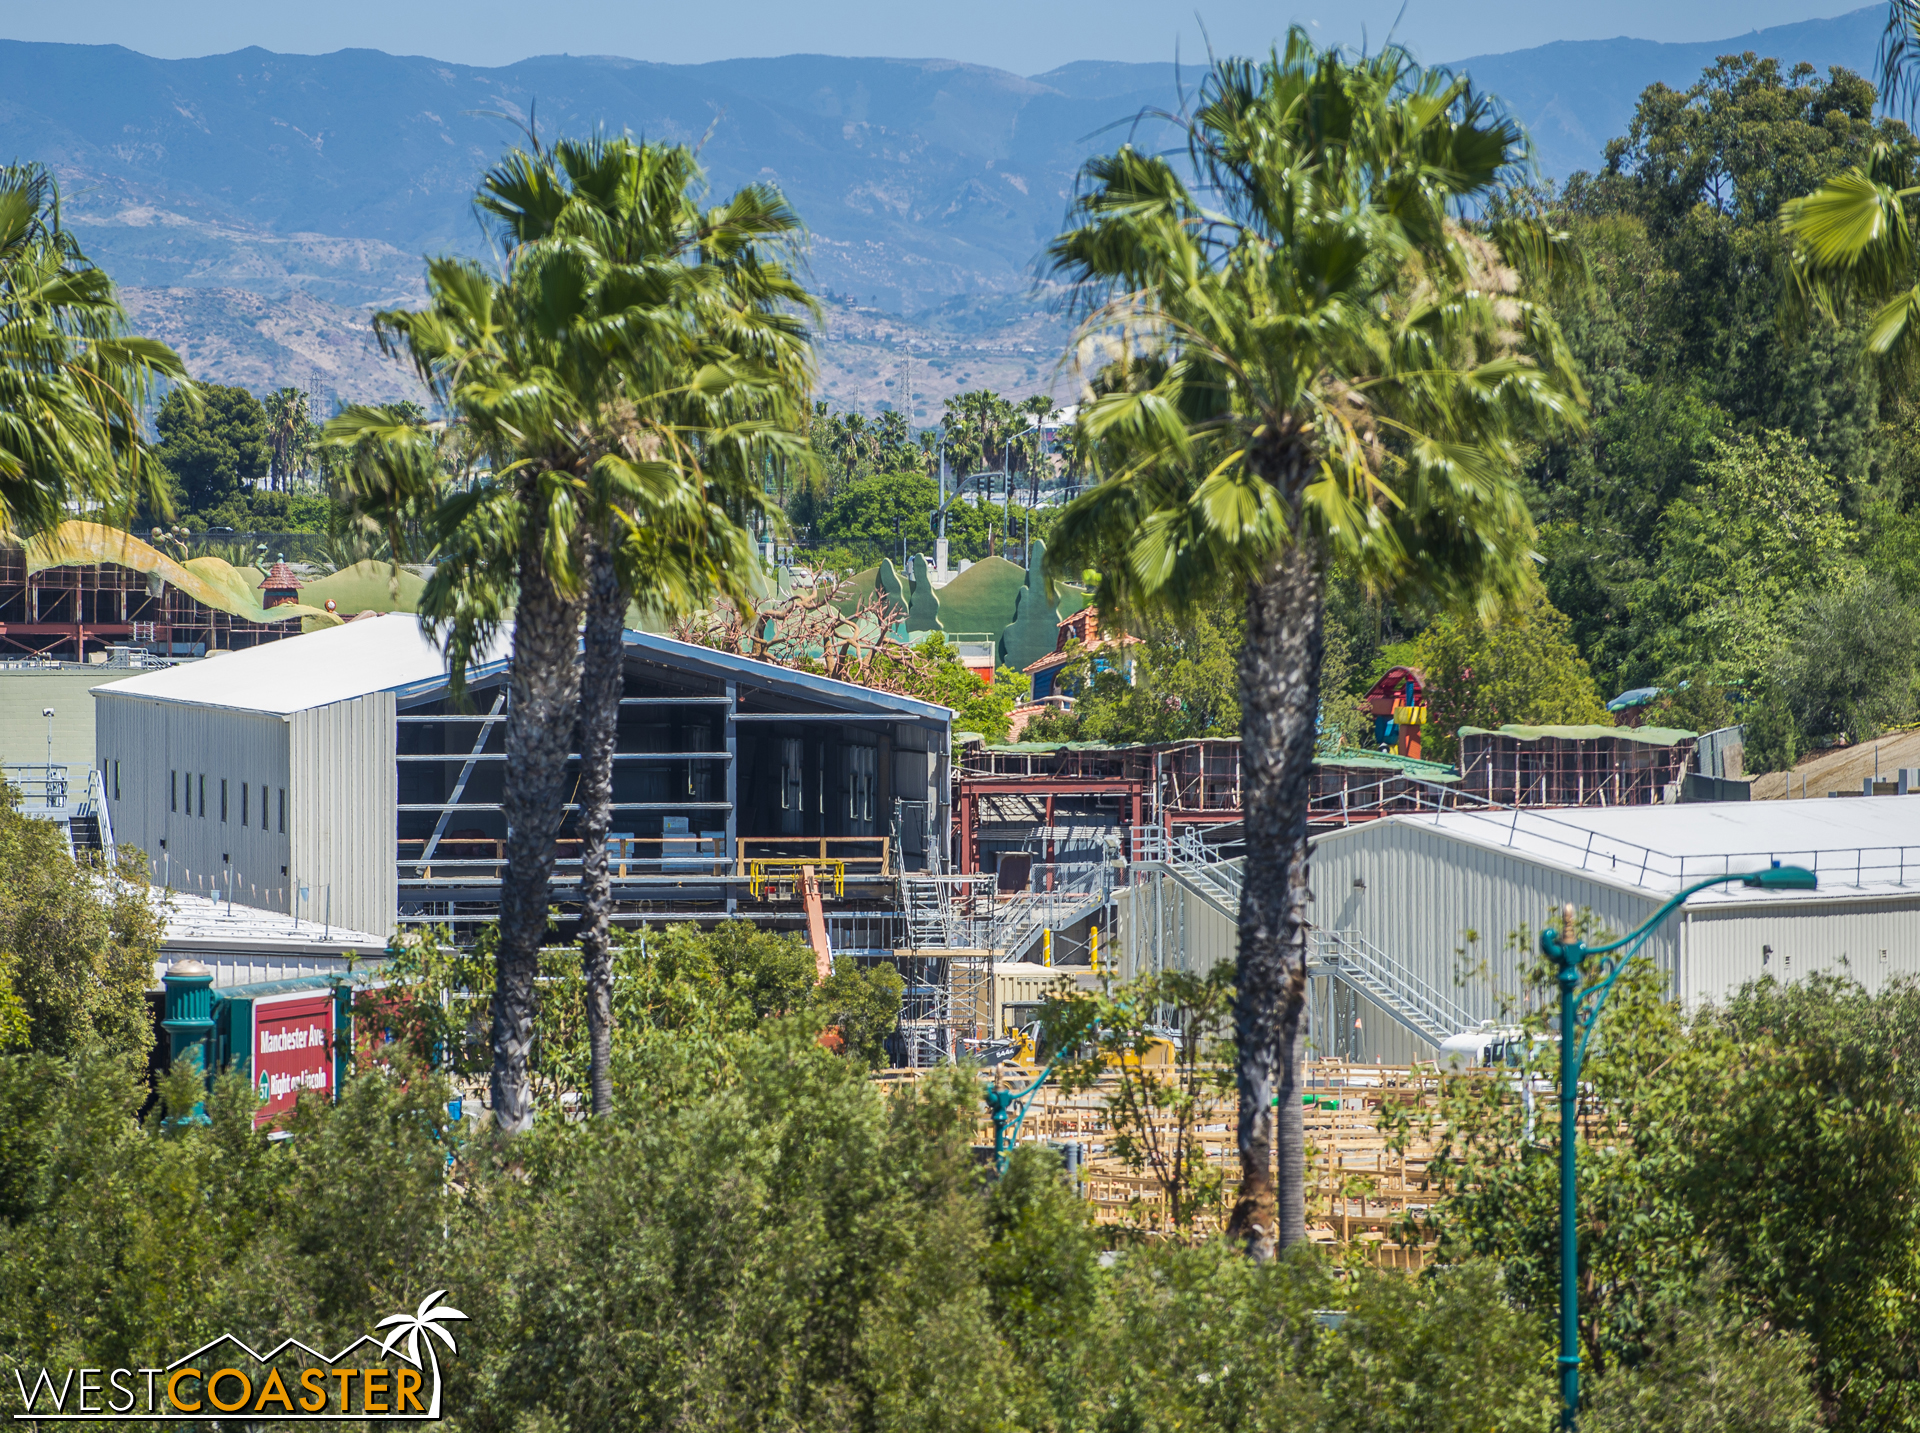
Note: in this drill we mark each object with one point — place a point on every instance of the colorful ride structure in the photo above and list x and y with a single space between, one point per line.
1398 705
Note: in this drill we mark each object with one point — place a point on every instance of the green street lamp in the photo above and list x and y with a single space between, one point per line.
1579 1008
1007 1108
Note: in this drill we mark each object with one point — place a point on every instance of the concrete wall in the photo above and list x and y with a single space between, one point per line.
168 753
341 822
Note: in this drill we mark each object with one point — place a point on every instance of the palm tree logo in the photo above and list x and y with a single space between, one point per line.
425 1319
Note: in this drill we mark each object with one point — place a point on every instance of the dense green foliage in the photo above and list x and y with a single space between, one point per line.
76 947
1743 463
215 448
1721 1220
1179 681
759 1236
1521 668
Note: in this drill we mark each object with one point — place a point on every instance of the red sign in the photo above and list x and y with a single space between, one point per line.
292 1052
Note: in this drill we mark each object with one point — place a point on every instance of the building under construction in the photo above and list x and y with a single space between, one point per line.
85 588
1541 766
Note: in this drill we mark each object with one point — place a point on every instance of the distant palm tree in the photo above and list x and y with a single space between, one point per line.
1310 361
74 385
426 1319
288 426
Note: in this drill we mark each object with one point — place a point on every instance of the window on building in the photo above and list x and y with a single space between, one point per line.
223 798
173 791
791 792
283 811
203 795
116 780
862 763
243 803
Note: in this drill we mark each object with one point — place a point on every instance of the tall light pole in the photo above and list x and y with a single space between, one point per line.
47 712
1580 1006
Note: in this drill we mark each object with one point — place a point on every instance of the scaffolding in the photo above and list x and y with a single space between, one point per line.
1575 765
58 611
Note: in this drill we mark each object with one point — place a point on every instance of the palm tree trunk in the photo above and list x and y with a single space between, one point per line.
1279 690
601 683
544 697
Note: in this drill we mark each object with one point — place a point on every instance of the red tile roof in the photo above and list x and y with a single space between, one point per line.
280 578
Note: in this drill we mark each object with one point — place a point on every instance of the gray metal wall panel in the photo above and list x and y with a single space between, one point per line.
1447 910
166 748
1198 934
343 791
1868 939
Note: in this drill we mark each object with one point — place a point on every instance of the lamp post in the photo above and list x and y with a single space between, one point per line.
1579 1008
1007 1108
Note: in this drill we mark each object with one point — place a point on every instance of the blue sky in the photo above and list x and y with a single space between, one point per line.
1026 36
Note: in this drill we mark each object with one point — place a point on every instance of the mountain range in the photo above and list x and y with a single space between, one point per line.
256 206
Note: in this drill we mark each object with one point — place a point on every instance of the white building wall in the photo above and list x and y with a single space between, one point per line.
344 789
1196 936
159 757
1867 938
1452 913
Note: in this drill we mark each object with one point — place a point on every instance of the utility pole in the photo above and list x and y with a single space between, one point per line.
940 548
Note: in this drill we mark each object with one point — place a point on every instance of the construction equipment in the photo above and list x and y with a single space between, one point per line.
763 872
816 925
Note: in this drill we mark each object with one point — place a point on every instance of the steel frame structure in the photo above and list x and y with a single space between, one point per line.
57 611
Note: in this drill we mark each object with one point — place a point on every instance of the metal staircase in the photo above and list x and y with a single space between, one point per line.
1351 957
1345 955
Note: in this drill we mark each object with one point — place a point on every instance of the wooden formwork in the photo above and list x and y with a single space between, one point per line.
1358 1189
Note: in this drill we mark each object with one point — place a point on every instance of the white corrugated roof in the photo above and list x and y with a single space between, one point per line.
316 669
1855 845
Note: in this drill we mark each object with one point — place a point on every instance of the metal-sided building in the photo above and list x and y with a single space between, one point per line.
333 777
1451 904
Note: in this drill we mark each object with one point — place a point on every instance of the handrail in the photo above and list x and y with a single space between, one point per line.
102 813
1411 995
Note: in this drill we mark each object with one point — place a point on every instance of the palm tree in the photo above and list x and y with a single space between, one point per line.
1852 239
74 385
619 387
716 408
288 423
426 1319
1310 361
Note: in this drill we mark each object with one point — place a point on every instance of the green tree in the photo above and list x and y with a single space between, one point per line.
1850 661
626 379
884 514
1522 668
290 432
74 385
1318 364
77 944
719 402
1179 681
213 440
1764 527
1157 1114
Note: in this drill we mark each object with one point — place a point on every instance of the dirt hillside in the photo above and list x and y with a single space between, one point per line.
1841 770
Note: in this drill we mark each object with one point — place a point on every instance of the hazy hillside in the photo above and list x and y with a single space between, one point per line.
219 188
1575 96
